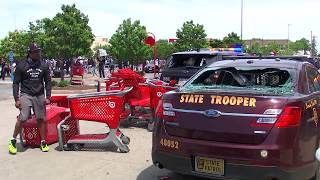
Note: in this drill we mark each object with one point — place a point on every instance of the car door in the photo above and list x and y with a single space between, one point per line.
309 134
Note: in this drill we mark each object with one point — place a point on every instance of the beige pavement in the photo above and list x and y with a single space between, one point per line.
32 164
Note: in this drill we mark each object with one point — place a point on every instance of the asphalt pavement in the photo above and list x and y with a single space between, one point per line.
77 165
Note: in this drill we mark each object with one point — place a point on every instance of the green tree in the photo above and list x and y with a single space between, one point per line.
164 49
300 45
17 42
216 43
127 43
69 34
231 39
191 36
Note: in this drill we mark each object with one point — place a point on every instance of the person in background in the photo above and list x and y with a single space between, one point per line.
101 61
31 90
3 69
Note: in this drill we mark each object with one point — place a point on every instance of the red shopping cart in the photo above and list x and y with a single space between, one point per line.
103 107
157 89
77 74
137 101
30 135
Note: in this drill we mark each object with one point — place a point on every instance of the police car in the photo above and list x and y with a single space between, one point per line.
182 65
243 118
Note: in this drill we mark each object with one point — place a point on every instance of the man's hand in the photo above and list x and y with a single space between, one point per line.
18 104
47 101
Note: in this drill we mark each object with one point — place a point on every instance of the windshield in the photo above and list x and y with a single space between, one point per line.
259 79
189 60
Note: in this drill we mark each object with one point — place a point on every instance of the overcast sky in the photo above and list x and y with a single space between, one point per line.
266 19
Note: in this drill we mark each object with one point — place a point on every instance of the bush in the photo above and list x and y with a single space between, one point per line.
54 83
63 83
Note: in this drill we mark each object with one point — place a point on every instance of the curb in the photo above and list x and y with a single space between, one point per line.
55 92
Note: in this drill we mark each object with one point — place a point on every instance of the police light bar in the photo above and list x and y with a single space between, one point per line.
237 50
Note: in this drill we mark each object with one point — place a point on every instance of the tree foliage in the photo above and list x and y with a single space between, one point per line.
127 43
69 33
191 36
64 36
232 39
17 42
164 49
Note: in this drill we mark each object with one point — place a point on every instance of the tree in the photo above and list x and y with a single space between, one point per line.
164 49
17 42
68 33
191 36
127 43
300 45
216 43
232 39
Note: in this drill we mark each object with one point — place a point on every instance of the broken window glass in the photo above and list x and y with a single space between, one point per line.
265 80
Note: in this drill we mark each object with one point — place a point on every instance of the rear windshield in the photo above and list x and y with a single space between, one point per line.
183 60
264 80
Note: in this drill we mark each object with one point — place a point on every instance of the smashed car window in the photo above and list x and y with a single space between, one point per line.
265 80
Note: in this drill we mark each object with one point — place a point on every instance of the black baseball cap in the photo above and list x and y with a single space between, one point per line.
33 47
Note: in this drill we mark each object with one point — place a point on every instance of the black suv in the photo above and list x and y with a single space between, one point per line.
182 65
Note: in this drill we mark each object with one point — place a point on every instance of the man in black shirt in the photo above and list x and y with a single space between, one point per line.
32 77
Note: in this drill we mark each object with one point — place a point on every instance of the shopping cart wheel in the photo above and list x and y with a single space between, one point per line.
124 151
125 139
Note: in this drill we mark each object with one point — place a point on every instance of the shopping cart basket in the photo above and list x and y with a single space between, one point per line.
103 107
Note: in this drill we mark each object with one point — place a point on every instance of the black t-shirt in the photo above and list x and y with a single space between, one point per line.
32 77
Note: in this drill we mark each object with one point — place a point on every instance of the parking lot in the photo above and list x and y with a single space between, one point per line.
105 164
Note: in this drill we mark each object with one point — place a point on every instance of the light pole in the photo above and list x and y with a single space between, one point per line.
241 18
288 34
154 53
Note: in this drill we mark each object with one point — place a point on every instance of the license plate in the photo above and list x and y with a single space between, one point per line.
209 165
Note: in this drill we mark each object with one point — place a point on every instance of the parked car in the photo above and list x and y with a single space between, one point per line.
182 65
244 118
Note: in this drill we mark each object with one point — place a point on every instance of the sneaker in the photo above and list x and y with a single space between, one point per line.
12 146
44 147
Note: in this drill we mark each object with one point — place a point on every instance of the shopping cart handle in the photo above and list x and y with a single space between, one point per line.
164 86
106 93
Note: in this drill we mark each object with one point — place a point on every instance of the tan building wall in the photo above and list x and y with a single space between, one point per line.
99 41
264 42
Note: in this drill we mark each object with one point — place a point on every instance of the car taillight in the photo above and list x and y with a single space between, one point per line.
165 111
290 117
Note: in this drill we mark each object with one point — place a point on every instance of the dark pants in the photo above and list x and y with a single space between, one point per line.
101 72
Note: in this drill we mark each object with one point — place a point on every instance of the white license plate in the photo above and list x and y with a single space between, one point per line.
209 165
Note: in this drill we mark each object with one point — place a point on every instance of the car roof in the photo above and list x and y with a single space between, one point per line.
272 62
208 52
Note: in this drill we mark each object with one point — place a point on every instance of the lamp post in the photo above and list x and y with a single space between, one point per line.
151 41
241 18
288 34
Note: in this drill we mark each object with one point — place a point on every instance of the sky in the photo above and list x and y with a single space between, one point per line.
266 19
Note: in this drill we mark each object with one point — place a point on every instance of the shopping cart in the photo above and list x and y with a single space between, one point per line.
30 135
137 102
103 107
157 89
77 74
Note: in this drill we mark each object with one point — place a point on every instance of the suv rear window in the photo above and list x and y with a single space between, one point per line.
183 60
260 79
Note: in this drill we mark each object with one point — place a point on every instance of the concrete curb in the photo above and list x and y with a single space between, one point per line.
55 92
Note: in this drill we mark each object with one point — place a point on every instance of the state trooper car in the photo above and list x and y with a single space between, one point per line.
242 118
